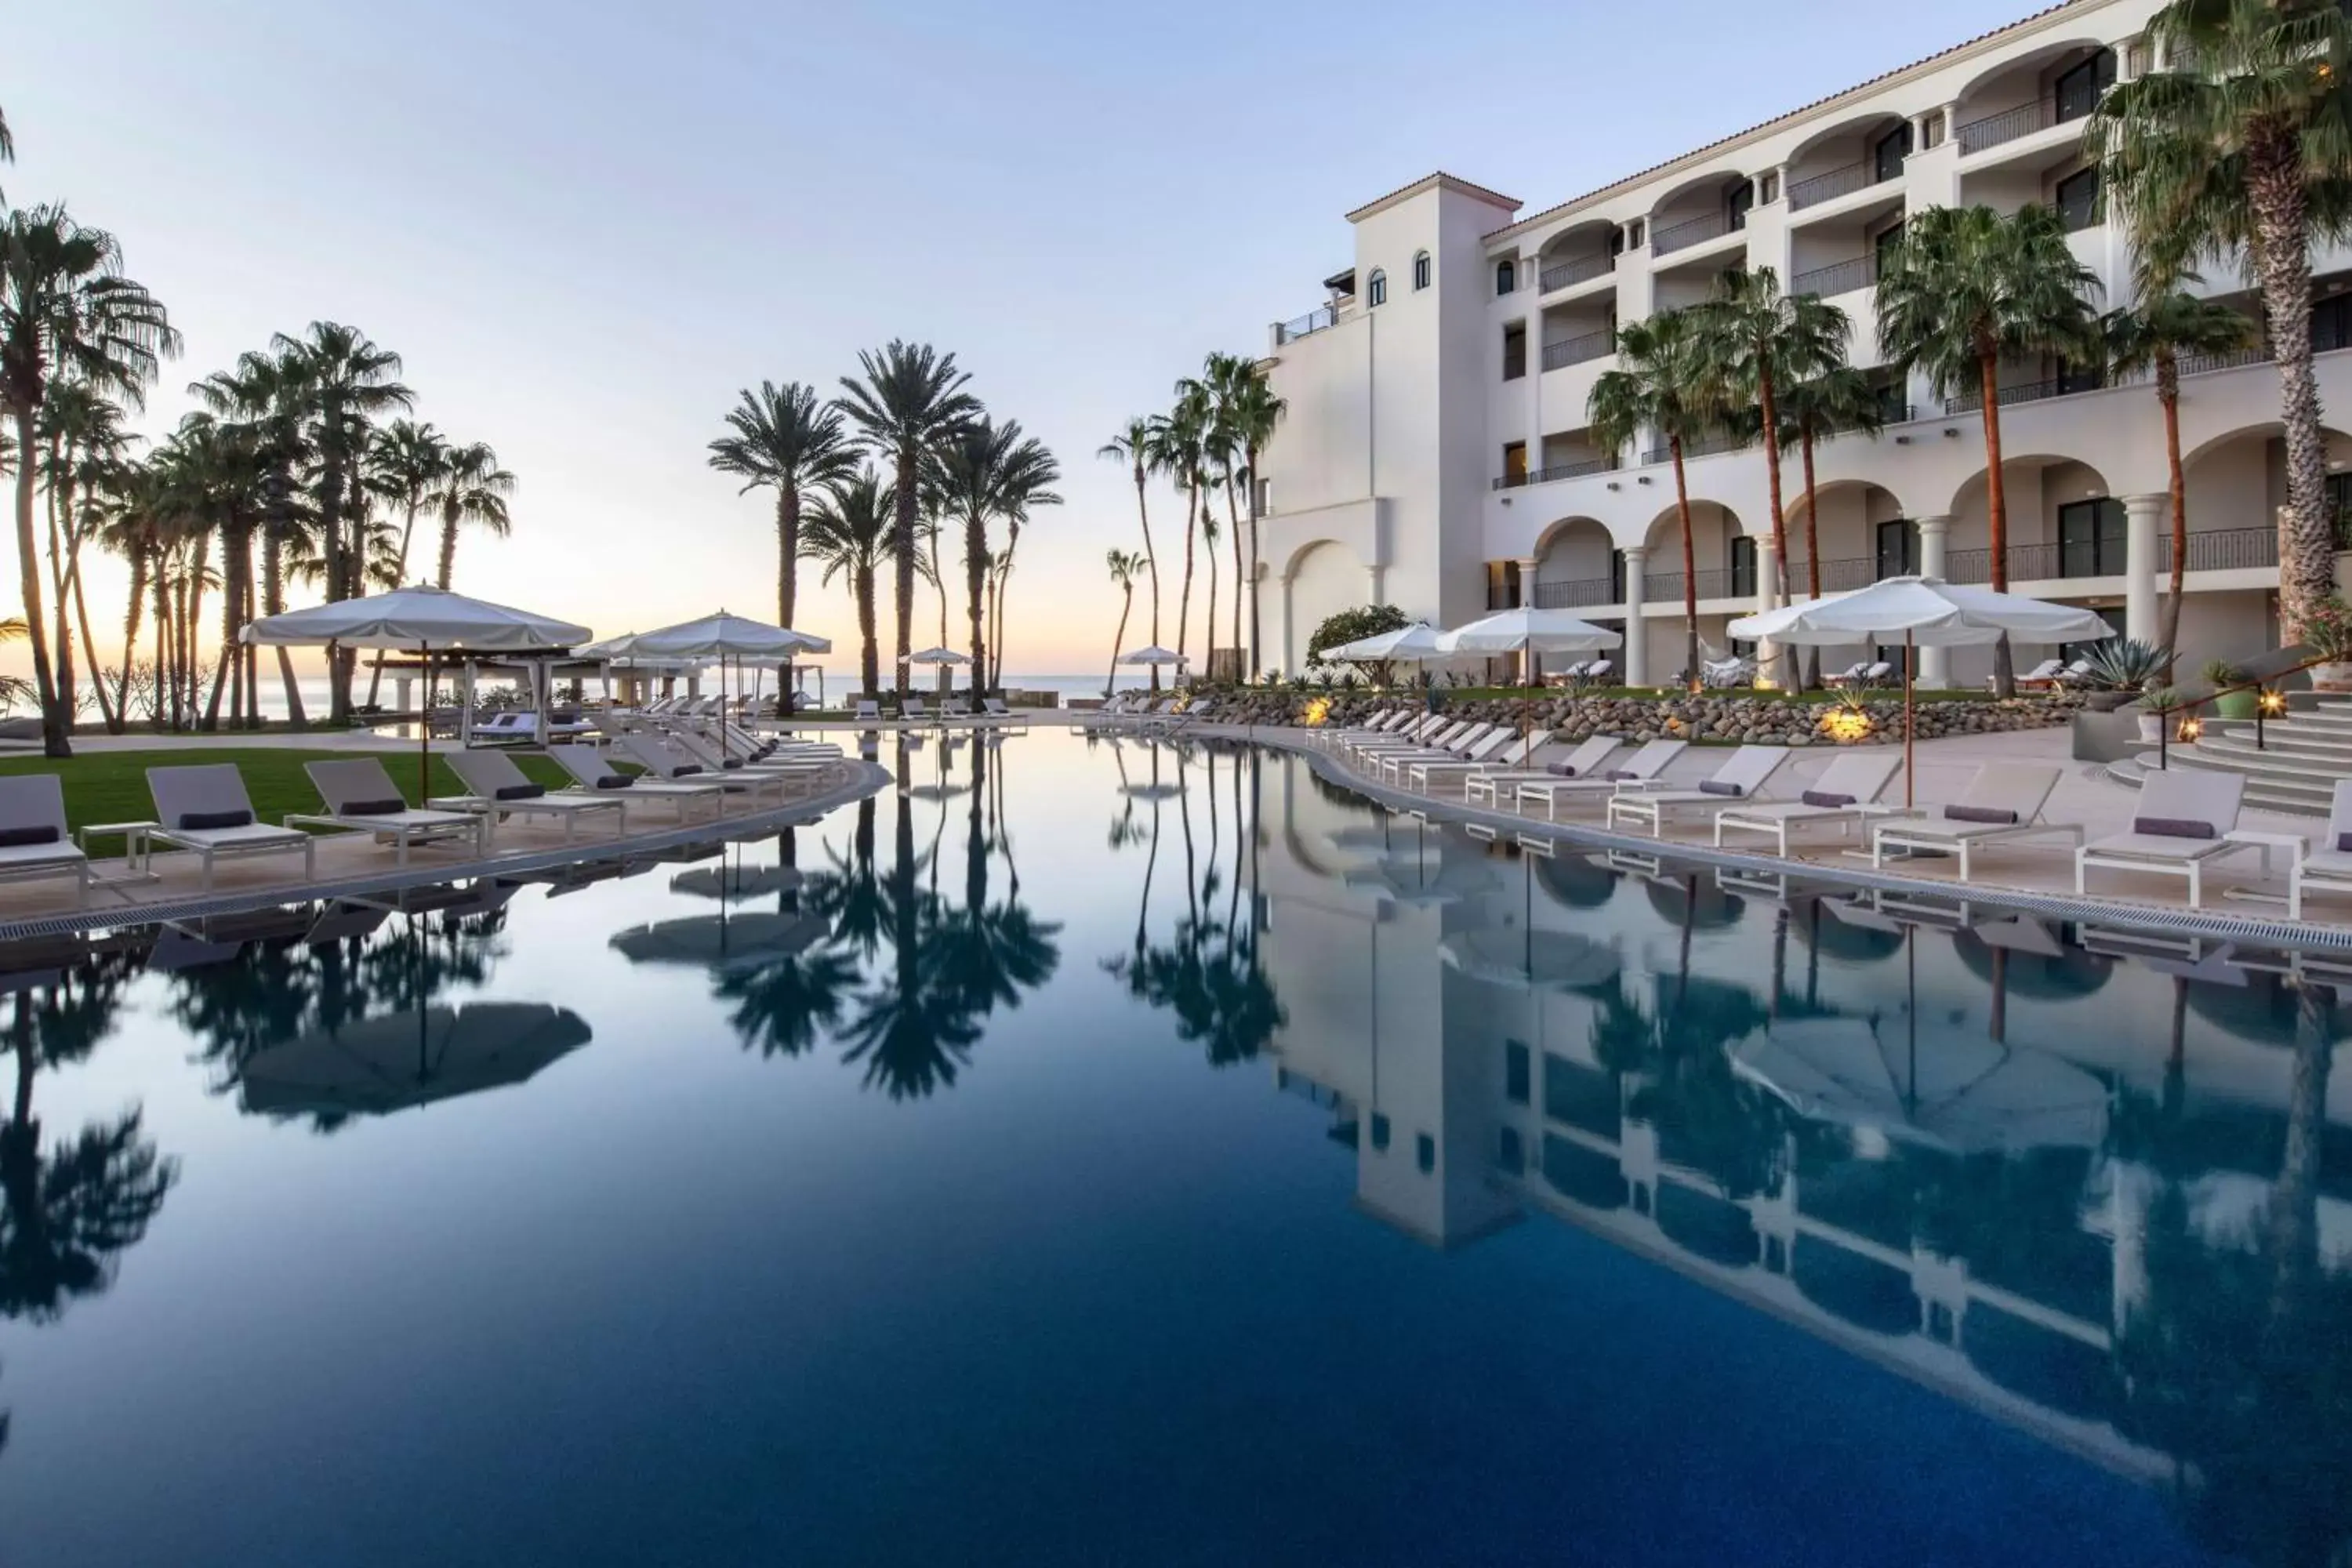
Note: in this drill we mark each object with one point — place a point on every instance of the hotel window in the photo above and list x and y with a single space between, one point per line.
1888 154
2077 199
1424 1153
1379 293
1616 576
1743 565
2339 507
1931 129
1768 188
2078 88
1737 202
2091 538
1379 1131
1507 276
2331 323
1515 350
1421 271
2113 615
1898 548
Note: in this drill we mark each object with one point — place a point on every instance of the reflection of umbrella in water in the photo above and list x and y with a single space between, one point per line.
1577 882
1849 932
2039 971
721 944
1407 880
1958 1092
1710 910
1531 957
738 882
413 1058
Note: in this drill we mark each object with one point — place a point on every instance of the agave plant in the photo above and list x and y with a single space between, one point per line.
2124 664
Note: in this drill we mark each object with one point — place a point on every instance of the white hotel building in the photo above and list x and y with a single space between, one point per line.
1437 455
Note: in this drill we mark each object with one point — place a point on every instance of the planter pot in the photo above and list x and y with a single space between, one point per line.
2105 702
2331 676
2236 704
2152 728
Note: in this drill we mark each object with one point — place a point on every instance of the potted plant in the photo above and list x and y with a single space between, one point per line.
2234 698
2117 668
2158 705
2327 637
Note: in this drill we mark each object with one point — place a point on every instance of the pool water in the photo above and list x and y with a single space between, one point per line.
1150 1153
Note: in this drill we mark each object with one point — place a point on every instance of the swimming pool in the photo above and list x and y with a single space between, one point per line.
1125 1151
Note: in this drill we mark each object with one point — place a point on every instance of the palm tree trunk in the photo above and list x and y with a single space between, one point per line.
1184 596
1776 591
1234 524
273 602
54 720
902 545
1152 559
2275 189
1690 568
871 652
1110 683
138 562
60 528
1255 629
164 641
1813 553
2294 1216
2004 670
107 711
788 581
2168 393
975 588
447 565
1210 618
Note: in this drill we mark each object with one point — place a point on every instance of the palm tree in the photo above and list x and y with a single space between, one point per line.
1660 384
406 462
1251 413
473 489
909 397
1183 436
1835 400
2153 335
82 437
785 438
1031 471
1208 525
985 472
1758 341
1134 448
1124 565
67 313
847 532
1967 288
269 395
2240 147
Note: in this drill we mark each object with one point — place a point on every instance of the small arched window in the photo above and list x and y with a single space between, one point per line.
1378 294
1421 271
1507 276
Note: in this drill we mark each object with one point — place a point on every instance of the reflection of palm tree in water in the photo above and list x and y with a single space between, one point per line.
66 1213
785 1007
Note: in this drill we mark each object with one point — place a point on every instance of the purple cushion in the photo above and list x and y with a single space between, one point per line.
1567 770
1825 798
201 821
2174 827
686 771
522 792
1992 814
616 781
732 763
391 806
2343 843
1623 773
17 837
1719 786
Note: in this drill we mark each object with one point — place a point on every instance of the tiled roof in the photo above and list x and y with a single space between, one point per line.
1441 177
1799 112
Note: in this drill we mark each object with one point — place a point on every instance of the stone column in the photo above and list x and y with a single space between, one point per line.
1378 575
2143 534
1527 598
1769 598
1935 663
1294 661
1636 662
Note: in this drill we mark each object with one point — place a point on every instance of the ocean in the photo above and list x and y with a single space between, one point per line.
313 688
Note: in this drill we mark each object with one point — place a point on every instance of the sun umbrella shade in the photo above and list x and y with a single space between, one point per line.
1529 630
939 656
723 636
1928 611
1406 644
721 944
413 1057
1954 1091
417 620
1155 654
738 882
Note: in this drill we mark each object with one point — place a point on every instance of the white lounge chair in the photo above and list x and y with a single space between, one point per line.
361 797
668 761
1640 770
2328 868
498 789
1584 762
1742 775
2183 821
1486 743
203 809
1841 796
33 840
2002 804
868 712
1489 753
798 760
911 707
595 772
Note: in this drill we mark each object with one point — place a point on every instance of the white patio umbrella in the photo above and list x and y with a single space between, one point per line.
1154 654
1406 644
424 620
1530 631
1923 612
722 637
940 658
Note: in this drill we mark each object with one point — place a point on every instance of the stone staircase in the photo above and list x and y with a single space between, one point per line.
2305 752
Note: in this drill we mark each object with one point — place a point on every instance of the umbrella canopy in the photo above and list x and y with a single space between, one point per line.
1414 643
1925 611
738 882
1960 1092
723 636
413 1058
1528 630
1408 879
421 619
937 656
721 944
1155 654
1531 957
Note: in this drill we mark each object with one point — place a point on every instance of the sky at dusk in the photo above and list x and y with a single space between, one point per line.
585 225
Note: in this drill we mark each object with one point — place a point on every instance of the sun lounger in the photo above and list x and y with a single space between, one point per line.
1641 771
33 840
1419 770
2183 821
1841 796
2002 804
498 789
361 797
672 763
2328 868
1445 735
203 809
1583 763
911 707
595 772
1742 775
1510 758
797 760
1423 731
868 712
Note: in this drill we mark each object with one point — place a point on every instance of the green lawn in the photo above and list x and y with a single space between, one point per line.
111 786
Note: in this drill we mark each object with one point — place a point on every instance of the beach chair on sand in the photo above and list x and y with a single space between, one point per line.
498 789
1643 770
2002 804
361 797
1583 763
1742 775
1841 796
33 841
203 809
593 772
2183 822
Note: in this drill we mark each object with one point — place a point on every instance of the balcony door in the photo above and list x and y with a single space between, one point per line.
1886 154
1898 548
2091 538
1743 565
2078 90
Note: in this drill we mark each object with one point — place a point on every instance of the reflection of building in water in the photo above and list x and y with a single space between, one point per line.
2002 1267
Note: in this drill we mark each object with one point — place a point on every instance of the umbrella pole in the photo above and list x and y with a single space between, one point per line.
1910 658
424 730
